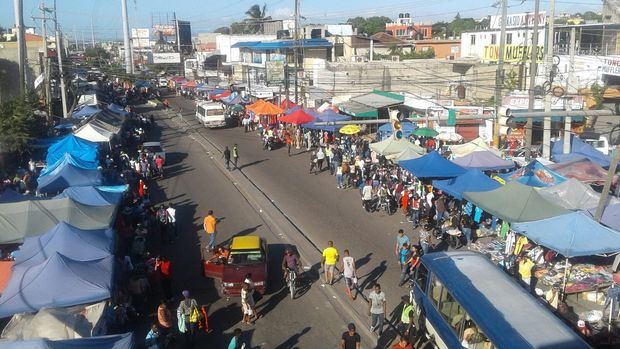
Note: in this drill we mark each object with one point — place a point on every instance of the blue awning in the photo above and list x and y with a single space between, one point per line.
245 44
471 181
91 196
116 341
534 174
283 44
432 165
572 235
578 150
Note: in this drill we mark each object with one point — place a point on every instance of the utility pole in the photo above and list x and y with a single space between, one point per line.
499 73
63 88
92 32
128 58
83 42
18 7
46 67
570 90
546 148
532 86
296 50
605 193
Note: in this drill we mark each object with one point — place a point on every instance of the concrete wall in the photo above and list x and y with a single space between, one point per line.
428 77
224 43
8 55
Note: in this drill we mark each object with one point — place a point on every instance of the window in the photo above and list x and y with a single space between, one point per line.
493 39
454 49
213 112
452 311
425 48
472 39
246 257
473 336
509 39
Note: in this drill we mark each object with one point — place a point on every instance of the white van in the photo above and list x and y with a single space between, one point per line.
210 114
601 144
163 82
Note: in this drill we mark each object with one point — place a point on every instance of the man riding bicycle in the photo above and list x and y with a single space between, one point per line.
290 262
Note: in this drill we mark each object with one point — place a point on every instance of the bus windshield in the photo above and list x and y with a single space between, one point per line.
246 257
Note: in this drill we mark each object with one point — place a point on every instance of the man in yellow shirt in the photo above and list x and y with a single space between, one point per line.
525 269
210 224
328 262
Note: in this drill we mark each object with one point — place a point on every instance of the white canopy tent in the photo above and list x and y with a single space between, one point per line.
477 144
94 133
573 195
392 146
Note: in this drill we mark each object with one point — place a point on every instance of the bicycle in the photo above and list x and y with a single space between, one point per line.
291 278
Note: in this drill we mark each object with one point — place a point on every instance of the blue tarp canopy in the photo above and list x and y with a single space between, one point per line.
578 150
85 112
534 174
432 165
572 235
68 159
472 181
58 282
327 116
68 175
283 44
79 148
77 244
484 161
113 188
611 216
406 127
10 195
91 196
116 341
118 109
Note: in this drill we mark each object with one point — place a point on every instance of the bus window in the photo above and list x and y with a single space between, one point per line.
473 338
436 291
213 112
201 111
421 277
452 311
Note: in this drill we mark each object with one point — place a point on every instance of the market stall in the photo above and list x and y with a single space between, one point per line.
535 174
574 195
478 144
432 165
484 161
471 181
393 146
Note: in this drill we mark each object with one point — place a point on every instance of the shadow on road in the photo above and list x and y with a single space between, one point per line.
293 340
251 164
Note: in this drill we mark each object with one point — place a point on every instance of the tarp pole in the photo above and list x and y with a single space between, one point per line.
566 273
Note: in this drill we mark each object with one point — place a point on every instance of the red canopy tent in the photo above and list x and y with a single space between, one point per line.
189 84
298 117
288 104
219 96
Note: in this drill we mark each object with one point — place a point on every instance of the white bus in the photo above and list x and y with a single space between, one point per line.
210 114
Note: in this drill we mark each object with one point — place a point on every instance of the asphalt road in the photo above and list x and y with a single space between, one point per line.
320 210
194 184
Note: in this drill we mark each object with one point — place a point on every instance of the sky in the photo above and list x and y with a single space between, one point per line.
75 16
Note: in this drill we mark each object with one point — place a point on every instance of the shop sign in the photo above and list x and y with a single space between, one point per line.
274 71
166 57
611 66
513 53
518 20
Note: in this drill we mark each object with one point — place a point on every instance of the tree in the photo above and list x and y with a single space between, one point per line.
369 26
19 124
511 80
256 17
222 30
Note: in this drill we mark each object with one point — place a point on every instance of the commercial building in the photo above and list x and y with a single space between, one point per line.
443 48
404 27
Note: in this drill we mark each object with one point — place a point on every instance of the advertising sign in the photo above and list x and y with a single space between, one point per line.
166 57
164 29
140 33
513 53
521 102
275 72
518 20
611 66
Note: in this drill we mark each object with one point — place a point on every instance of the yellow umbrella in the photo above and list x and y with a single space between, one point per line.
350 129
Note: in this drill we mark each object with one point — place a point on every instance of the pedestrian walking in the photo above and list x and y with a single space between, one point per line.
162 219
350 339
377 309
349 272
401 239
173 232
313 162
226 157
403 343
188 309
236 342
289 142
339 177
406 325
247 301
320 157
210 227
235 154
164 269
153 339
159 163
328 262
164 322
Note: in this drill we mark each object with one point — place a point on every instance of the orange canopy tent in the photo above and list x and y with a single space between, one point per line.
298 117
265 108
189 84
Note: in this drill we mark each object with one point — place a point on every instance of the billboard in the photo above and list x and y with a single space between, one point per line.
513 53
274 72
518 20
164 30
140 33
166 57
611 66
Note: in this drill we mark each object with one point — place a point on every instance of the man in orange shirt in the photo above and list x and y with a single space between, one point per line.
210 224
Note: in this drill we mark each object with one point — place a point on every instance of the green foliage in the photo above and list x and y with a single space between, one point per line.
255 18
511 80
397 51
19 124
597 92
97 52
457 26
222 30
590 16
370 25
